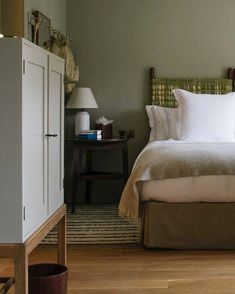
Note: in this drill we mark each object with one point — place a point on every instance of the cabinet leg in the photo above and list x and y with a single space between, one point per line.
21 269
61 247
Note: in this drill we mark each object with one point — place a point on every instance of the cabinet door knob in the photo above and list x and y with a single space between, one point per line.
51 135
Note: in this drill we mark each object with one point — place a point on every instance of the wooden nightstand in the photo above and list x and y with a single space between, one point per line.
90 175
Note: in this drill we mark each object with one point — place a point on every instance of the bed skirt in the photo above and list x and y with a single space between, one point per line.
189 225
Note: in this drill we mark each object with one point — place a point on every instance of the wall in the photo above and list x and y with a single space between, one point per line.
116 41
0 16
53 9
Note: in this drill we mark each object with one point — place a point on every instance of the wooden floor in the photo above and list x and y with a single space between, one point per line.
114 270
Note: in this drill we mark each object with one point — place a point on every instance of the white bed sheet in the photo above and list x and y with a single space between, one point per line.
190 189
154 177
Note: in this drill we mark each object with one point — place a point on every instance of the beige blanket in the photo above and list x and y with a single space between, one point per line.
172 159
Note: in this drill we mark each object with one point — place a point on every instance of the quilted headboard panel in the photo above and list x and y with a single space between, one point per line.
162 88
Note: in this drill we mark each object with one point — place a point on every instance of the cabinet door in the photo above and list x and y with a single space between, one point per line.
56 128
34 144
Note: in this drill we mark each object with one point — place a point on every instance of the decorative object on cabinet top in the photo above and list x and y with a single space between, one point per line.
60 45
41 28
56 42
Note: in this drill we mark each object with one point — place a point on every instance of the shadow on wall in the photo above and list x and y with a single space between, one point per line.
137 121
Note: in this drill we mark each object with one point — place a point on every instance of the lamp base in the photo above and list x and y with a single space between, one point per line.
82 122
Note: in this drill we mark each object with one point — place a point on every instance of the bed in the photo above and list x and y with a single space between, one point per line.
183 188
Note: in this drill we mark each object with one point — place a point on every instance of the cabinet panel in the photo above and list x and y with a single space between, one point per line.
55 127
11 142
34 108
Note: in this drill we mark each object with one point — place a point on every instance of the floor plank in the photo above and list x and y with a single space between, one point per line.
114 270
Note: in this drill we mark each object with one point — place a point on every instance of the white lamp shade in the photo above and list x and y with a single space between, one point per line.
82 98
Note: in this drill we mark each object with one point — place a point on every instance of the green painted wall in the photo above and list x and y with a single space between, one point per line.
116 41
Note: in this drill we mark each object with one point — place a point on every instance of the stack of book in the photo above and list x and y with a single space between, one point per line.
90 135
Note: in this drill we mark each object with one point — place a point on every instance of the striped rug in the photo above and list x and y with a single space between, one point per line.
97 224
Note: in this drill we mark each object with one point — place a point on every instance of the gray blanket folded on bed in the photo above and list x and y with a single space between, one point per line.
172 159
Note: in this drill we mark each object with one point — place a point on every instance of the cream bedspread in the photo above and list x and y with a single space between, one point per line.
173 159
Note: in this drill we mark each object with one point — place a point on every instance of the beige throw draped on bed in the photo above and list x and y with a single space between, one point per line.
172 159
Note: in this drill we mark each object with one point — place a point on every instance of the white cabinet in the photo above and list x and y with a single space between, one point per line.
31 144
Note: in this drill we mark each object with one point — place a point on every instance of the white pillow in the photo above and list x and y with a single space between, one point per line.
204 117
162 122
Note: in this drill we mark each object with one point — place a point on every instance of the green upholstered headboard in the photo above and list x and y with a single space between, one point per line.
161 89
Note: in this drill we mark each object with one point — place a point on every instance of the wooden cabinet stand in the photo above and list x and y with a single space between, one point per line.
19 252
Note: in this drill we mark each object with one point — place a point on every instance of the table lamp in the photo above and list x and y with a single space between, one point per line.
81 98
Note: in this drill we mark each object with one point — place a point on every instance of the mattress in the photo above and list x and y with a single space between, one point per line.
214 188
180 171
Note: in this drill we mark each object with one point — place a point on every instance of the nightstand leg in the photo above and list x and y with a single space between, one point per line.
74 194
88 191
76 161
74 191
125 163
88 183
